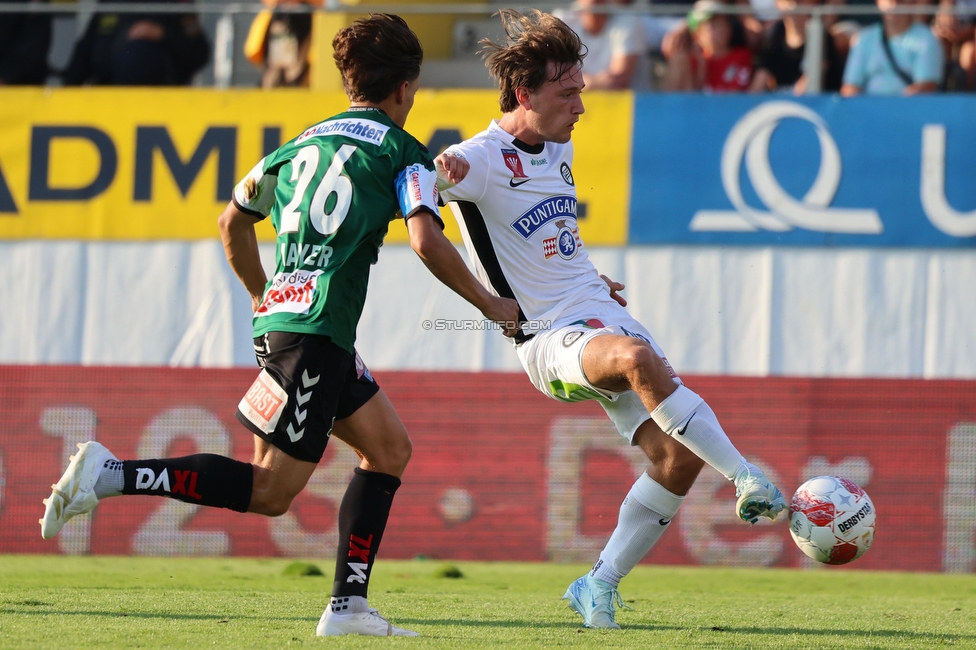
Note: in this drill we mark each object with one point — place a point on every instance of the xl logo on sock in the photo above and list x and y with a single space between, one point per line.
186 481
359 549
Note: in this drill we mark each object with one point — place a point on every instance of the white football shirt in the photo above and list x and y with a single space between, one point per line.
517 213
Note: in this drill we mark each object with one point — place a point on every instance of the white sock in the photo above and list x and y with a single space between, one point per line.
688 419
644 516
348 604
110 480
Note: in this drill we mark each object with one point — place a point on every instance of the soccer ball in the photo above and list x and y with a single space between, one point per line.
832 520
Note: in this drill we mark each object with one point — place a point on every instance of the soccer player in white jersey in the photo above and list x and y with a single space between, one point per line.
313 386
516 205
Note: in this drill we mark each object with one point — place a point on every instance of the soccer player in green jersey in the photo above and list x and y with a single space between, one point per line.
331 194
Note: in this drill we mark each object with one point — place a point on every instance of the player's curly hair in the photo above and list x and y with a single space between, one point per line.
375 54
534 40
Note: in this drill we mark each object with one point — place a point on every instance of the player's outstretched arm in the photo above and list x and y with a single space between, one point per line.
241 248
443 260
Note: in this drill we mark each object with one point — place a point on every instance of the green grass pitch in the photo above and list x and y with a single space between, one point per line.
125 602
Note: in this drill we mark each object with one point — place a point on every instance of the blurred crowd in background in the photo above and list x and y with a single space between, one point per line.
760 47
753 46
121 49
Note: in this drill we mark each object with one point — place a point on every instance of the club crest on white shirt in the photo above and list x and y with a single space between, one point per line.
567 174
565 244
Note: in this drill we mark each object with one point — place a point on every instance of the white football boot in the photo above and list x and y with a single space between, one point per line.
757 496
368 623
596 601
74 493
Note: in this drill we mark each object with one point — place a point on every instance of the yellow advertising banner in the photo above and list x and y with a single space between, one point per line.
160 164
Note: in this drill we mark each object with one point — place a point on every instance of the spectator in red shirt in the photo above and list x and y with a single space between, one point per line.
710 63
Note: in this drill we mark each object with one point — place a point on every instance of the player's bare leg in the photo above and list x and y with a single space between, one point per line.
619 363
676 445
278 478
376 433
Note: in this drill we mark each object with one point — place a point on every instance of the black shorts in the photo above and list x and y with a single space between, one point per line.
307 383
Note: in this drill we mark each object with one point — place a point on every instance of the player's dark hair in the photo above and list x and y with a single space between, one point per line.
535 39
376 54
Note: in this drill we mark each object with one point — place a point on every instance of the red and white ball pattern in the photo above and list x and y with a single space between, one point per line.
832 520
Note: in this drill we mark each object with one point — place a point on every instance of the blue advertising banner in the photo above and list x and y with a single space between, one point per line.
804 171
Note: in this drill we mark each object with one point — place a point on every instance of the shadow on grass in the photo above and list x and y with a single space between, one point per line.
769 631
926 638
35 611
929 637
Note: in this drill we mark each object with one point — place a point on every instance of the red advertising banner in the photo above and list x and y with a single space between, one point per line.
500 472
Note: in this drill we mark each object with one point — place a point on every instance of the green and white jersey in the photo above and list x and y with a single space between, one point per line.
331 194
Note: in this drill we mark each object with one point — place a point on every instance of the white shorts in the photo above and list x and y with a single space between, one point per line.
553 359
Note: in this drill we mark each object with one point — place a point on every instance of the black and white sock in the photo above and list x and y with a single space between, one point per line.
363 513
110 480
203 479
